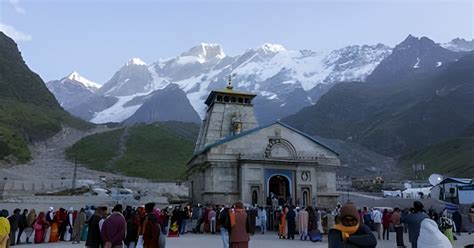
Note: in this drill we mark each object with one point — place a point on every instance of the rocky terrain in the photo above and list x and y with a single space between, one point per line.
49 171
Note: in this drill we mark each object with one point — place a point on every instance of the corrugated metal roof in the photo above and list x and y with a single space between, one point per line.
456 180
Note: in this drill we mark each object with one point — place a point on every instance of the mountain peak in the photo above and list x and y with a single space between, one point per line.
271 48
411 41
135 61
459 45
205 52
75 76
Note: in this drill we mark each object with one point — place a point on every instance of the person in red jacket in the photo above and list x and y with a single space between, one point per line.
386 220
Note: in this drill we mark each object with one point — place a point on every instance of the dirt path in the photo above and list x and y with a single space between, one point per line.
122 149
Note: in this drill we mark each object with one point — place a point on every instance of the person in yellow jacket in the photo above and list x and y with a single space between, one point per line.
4 229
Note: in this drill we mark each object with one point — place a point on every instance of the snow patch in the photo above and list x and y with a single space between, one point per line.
135 61
74 76
118 113
268 95
272 48
417 65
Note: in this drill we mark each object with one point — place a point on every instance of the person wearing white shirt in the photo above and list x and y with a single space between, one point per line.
262 217
377 218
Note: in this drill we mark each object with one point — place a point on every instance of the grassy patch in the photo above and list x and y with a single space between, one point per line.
96 150
152 151
454 158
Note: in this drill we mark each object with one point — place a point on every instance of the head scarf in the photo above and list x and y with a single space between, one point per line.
348 209
431 236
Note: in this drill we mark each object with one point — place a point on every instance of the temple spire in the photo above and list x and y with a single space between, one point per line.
229 83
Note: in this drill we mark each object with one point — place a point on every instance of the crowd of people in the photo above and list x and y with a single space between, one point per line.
147 226
129 227
425 230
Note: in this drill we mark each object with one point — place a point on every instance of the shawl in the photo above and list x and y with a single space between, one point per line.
30 219
232 216
431 237
346 230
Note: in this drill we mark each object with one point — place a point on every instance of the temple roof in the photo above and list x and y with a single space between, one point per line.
230 138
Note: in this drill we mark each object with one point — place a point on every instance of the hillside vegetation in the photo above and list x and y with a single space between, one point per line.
454 157
28 111
155 151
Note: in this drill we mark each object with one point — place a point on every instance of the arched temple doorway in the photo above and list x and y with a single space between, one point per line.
280 186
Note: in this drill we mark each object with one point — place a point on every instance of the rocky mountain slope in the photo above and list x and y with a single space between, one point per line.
28 111
452 157
393 118
169 104
459 45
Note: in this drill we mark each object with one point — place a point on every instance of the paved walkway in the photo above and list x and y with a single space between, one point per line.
269 240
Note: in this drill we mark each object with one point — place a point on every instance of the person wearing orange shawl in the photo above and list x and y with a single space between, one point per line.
239 234
349 232
282 224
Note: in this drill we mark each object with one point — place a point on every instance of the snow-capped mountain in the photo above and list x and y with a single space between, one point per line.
285 80
459 45
79 96
131 79
282 78
71 89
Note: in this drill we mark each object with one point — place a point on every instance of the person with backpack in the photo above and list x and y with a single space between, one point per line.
151 229
446 225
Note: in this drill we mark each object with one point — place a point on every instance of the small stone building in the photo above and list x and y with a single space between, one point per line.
235 159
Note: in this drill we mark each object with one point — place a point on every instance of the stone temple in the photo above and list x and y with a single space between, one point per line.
236 159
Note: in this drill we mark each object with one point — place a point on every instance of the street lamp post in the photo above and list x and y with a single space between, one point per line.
74 175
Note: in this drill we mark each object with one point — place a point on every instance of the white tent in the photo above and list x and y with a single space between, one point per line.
416 192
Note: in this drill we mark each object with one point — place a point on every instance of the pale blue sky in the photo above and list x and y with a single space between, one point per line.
96 38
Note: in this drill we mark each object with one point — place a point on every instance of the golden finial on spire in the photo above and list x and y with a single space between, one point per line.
229 84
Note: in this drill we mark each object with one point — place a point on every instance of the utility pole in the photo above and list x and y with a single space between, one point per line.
348 189
74 176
